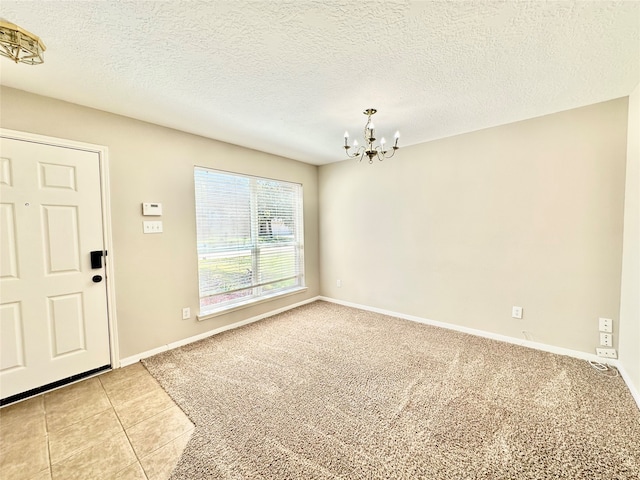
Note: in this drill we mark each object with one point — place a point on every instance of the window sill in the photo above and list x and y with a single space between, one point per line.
250 303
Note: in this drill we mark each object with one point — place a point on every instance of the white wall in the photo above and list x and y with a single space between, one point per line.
630 294
156 275
461 229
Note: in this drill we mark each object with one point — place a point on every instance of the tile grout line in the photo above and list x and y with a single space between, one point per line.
75 452
76 421
46 437
46 434
81 449
125 433
173 404
164 444
57 413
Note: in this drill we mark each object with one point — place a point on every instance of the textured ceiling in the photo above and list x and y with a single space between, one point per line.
288 77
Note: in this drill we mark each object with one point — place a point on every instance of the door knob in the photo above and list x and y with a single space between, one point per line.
97 278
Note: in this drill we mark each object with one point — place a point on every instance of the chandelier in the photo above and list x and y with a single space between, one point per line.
369 149
19 45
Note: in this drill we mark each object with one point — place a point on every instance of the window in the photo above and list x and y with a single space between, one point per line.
250 240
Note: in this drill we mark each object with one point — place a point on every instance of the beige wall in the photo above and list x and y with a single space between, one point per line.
156 275
461 229
630 295
456 230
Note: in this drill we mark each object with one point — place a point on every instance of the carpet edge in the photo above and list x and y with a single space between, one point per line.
501 338
124 362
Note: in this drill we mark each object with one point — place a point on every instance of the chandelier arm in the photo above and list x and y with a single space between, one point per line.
355 154
393 152
358 153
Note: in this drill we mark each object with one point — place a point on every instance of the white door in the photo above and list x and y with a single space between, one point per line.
53 313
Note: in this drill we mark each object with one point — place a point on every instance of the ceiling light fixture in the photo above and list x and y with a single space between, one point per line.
19 45
369 149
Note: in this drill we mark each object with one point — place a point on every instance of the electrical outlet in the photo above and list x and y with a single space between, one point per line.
605 325
186 313
607 352
338 283
516 312
606 339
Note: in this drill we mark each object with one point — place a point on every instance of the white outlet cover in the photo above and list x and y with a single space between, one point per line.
605 325
516 312
606 339
607 352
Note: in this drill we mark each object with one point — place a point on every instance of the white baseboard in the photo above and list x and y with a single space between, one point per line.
502 338
170 346
627 379
479 333
472 331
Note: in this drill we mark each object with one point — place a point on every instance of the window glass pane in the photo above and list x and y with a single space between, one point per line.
283 285
276 210
222 299
223 272
249 234
224 223
277 263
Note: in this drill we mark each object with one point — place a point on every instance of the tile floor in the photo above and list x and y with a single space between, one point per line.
117 426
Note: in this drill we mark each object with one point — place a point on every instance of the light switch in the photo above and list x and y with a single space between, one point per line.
152 227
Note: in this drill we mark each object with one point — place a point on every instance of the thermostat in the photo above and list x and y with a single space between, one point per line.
152 209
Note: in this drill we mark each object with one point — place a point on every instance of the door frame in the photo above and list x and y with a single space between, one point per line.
105 198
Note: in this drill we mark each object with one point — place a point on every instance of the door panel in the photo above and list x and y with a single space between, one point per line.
66 320
61 238
8 252
54 322
5 171
12 354
57 176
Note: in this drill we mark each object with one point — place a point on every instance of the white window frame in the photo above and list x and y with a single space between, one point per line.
255 248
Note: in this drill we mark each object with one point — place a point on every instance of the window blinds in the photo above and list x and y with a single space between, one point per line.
250 240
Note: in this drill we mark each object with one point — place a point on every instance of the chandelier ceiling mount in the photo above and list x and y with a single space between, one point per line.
20 45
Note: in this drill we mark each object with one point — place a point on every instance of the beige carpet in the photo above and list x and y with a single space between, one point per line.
329 392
